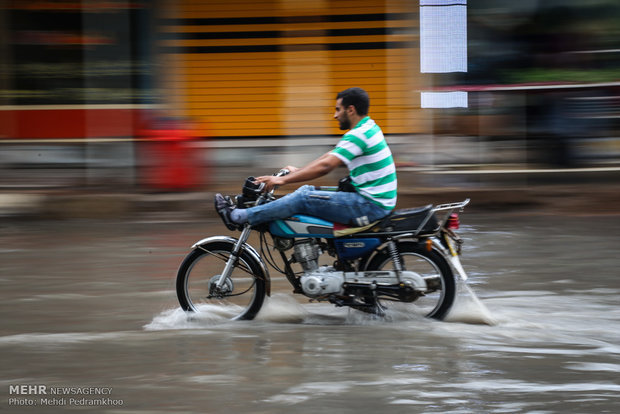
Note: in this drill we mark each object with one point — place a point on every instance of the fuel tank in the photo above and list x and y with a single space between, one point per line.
302 226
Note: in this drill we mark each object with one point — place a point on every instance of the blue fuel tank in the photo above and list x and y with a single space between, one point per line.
302 226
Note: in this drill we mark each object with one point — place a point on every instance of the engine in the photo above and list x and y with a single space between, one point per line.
316 281
322 281
306 252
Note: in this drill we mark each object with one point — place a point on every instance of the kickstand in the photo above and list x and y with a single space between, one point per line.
379 309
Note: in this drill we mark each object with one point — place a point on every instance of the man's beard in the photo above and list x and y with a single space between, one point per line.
345 124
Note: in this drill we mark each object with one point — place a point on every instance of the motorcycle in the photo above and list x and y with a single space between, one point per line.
409 257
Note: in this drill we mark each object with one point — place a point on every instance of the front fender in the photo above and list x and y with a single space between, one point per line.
247 248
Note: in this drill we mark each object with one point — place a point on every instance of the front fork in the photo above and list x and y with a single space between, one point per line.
234 256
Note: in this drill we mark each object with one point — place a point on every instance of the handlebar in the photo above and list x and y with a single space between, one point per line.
252 189
280 173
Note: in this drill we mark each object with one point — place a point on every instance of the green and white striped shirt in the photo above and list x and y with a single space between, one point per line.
367 156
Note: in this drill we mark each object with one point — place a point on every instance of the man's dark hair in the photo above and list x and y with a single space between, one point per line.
356 97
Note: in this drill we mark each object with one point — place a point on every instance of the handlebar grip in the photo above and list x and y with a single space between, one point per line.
281 173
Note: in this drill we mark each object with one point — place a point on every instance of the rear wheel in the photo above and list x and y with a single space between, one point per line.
238 297
431 266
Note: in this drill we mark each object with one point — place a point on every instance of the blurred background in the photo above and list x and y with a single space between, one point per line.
144 96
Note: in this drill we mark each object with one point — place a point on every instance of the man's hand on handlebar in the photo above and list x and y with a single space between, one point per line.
273 181
270 181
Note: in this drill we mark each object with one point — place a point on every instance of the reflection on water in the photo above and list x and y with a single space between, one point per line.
533 331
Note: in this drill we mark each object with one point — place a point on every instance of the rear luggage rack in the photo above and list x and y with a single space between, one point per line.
448 208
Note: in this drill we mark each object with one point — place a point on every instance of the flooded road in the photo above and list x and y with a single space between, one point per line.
90 322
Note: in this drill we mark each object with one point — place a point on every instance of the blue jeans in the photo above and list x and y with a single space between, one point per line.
335 206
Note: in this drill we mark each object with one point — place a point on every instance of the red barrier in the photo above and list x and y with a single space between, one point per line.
169 160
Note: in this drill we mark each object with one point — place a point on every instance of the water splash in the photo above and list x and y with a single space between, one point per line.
279 308
467 308
284 308
177 318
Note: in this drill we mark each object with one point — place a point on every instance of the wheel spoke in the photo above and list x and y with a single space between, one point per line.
433 268
224 258
239 295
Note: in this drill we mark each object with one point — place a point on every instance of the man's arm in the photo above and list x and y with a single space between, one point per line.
317 168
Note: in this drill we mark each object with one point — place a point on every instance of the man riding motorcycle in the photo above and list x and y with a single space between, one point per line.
370 196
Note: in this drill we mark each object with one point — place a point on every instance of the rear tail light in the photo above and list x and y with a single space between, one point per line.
453 222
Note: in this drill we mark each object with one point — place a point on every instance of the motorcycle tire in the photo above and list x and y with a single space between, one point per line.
432 266
242 295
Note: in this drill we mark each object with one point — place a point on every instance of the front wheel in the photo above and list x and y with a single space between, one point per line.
431 266
238 297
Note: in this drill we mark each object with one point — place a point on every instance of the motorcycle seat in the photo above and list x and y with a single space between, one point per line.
397 221
411 219
341 230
